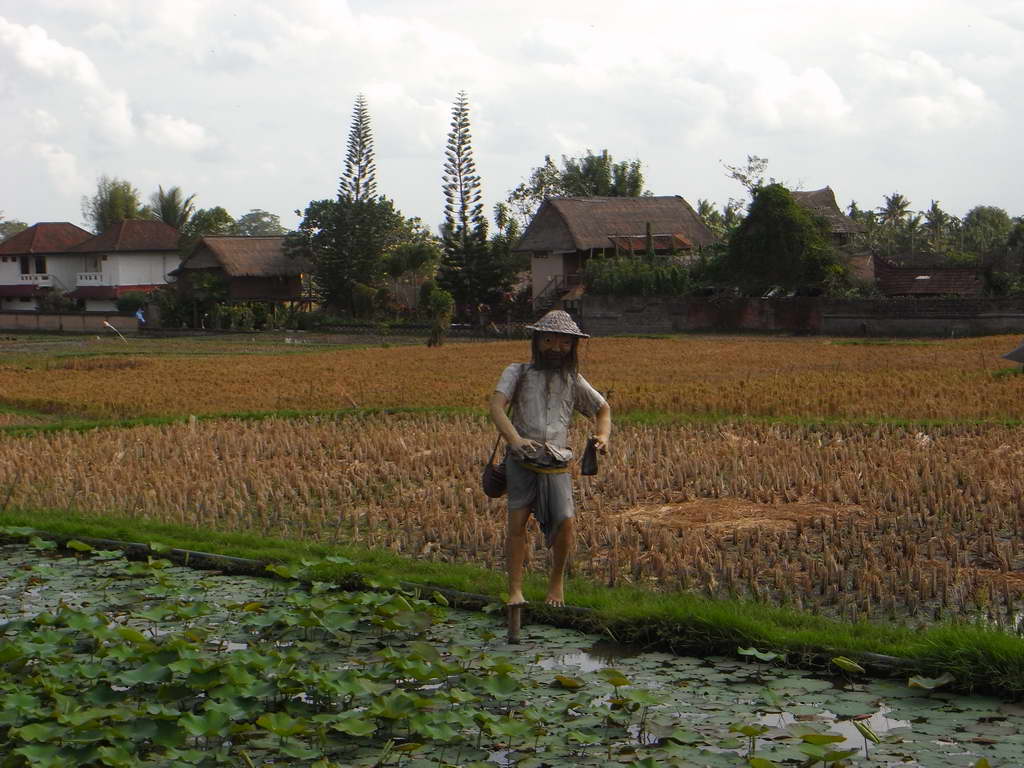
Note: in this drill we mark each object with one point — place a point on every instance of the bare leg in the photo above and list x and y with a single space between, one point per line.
559 554
515 553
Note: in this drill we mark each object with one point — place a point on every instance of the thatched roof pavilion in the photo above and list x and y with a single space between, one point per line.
822 202
255 268
595 223
566 231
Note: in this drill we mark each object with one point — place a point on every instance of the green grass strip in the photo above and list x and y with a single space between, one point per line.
85 425
627 418
980 657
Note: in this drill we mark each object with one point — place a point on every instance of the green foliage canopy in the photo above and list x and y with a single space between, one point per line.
587 176
10 227
115 200
348 242
779 243
171 207
258 222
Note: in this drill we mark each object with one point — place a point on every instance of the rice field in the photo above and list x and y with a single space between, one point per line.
710 376
879 522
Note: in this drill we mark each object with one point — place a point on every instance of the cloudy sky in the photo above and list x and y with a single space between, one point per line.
248 104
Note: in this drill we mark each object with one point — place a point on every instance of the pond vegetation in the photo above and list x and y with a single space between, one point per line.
107 662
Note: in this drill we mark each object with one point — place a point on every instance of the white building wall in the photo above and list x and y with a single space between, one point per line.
140 268
65 268
9 270
545 267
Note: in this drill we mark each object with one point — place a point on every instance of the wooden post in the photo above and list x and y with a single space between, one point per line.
515 618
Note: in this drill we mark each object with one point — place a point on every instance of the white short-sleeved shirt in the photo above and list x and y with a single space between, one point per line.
545 401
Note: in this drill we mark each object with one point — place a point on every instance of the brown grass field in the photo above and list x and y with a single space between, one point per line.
765 377
824 511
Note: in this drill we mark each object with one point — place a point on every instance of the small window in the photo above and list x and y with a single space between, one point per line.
923 277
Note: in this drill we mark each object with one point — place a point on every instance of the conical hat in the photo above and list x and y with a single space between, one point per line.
558 321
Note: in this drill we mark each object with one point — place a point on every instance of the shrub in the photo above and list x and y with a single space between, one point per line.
633 276
129 302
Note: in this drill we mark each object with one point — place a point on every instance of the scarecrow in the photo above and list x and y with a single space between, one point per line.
541 396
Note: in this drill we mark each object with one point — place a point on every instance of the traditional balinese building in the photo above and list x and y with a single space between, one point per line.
961 282
842 229
132 255
252 268
822 203
33 263
568 231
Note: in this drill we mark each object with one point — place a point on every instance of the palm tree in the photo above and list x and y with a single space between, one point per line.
912 229
895 209
171 207
891 215
937 223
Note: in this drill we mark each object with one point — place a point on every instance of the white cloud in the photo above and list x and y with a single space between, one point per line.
42 122
61 166
176 132
36 53
925 94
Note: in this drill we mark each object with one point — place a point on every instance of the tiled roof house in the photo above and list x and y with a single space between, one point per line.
30 263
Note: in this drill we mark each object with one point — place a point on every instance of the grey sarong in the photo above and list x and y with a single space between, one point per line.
549 496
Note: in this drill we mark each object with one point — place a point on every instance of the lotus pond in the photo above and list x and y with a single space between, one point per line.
107 662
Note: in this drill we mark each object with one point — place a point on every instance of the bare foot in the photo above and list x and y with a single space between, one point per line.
516 598
555 598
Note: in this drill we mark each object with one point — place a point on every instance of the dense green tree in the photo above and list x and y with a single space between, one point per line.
259 222
115 200
468 270
171 207
711 216
586 176
938 226
779 243
10 227
359 179
1015 243
506 236
600 176
204 221
985 232
348 242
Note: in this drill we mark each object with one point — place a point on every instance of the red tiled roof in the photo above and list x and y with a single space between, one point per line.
108 292
44 237
638 243
17 291
927 281
133 235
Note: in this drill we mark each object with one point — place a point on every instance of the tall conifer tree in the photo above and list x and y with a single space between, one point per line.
359 180
468 270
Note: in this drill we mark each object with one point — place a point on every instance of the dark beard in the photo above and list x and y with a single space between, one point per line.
552 361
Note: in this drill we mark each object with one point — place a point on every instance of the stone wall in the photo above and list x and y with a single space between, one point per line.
75 322
609 315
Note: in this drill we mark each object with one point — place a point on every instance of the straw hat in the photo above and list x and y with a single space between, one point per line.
558 321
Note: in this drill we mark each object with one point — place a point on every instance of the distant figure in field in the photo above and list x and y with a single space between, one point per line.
544 393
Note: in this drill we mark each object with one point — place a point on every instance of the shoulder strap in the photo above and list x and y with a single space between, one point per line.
511 403
515 389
